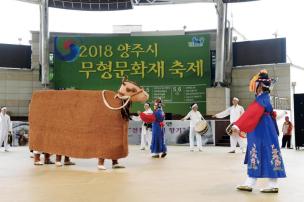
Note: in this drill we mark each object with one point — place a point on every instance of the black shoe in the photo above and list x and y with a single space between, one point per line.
270 190
232 152
244 188
117 166
155 156
163 155
49 162
69 163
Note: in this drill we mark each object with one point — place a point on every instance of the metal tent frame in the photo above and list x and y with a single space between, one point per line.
220 5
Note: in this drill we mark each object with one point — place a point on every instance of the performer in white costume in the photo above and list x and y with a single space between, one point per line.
195 116
146 129
235 112
5 128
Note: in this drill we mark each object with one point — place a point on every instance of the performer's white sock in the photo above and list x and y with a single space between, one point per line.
37 152
273 183
250 181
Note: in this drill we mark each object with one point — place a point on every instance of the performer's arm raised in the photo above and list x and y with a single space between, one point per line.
147 118
186 117
250 118
223 113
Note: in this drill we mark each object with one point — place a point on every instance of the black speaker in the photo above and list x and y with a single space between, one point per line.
299 119
168 116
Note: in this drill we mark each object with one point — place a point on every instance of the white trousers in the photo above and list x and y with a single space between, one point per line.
146 137
272 182
234 139
198 139
4 138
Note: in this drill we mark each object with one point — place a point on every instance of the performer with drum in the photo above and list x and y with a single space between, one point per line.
263 155
235 112
195 116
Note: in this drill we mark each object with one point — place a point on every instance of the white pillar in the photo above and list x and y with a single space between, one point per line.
293 91
44 41
220 41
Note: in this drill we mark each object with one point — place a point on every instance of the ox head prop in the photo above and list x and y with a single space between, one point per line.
129 89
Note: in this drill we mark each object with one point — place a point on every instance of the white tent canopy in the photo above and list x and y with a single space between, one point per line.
160 2
149 2
45 34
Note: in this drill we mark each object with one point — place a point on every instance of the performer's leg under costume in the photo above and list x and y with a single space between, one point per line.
6 145
241 143
250 181
149 137
67 161
37 160
143 138
191 138
4 139
233 142
115 164
199 141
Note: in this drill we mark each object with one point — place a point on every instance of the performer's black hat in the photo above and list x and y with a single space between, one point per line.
261 78
264 79
158 103
193 105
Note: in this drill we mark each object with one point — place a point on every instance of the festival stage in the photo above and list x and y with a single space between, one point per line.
210 175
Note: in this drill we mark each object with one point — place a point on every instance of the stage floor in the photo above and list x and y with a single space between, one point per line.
210 175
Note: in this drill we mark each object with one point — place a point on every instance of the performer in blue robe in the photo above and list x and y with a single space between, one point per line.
158 146
263 155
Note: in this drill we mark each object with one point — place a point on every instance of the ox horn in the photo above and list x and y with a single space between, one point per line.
124 97
124 79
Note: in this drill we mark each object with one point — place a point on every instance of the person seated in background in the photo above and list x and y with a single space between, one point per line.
22 138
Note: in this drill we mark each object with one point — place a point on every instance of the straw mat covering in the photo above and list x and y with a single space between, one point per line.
76 123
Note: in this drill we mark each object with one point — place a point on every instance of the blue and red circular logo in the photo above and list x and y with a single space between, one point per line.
70 51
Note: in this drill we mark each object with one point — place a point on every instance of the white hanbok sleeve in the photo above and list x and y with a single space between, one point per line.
223 113
242 110
10 124
149 111
136 118
200 115
187 116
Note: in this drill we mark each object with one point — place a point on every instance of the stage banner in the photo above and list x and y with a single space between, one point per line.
176 132
173 68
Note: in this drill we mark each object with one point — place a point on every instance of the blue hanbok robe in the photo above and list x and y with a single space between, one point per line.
158 140
263 155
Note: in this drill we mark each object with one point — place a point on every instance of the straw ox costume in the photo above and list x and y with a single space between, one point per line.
82 123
